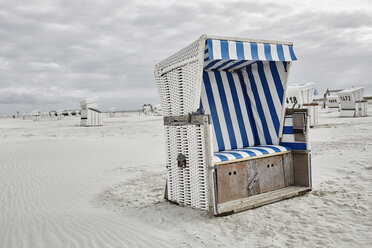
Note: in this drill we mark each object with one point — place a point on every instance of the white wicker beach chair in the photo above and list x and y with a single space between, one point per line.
333 103
90 115
352 103
223 104
36 115
302 96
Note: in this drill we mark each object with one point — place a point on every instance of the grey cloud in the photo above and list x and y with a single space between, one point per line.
109 48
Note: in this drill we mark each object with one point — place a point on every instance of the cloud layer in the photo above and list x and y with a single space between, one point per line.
54 53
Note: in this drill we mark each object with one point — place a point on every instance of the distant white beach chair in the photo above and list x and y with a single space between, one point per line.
147 109
333 103
352 103
36 115
59 114
231 145
157 109
90 115
112 111
302 96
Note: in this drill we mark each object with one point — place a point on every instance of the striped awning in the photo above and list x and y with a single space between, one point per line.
240 50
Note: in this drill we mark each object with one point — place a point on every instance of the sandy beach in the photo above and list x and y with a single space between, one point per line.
62 185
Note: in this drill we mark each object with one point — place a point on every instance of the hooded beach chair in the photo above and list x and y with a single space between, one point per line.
352 103
302 96
230 143
36 115
90 115
333 103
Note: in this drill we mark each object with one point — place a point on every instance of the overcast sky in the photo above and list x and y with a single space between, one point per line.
53 53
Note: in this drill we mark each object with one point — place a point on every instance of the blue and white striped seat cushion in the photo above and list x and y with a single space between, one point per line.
247 152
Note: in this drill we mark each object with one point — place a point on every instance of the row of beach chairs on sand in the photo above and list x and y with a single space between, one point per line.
349 102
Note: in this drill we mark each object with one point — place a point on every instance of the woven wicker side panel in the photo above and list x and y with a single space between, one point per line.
178 88
187 53
187 186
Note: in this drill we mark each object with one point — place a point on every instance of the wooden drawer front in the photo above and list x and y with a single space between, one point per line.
271 174
232 182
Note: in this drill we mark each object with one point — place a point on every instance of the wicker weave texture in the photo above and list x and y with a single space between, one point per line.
187 186
177 79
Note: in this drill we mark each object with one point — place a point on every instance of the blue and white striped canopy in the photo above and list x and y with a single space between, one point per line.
243 91
234 55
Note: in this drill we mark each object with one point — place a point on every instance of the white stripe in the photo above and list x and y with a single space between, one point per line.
234 119
266 110
229 156
206 55
261 51
287 55
229 64
216 49
232 50
281 71
217 64
221 117
216 159
274 52
288 138
288 122
243 154
247 51
207 63
207 110
243 65
243 107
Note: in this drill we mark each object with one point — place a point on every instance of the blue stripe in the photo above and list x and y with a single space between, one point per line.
221 157
250 153
225 108
268 52
295 145
235 65
240 50
237 107
279 49
225 49
210 48
236 155
254 51
291 52
287 130
211 64
223 64
258 149
201 110
285 66
277 81
269 99
276 149
214 114
259 106
249 109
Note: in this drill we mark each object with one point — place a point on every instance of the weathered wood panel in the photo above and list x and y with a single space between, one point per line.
299 123
288 169
301 169
253 179
271 173
232 182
